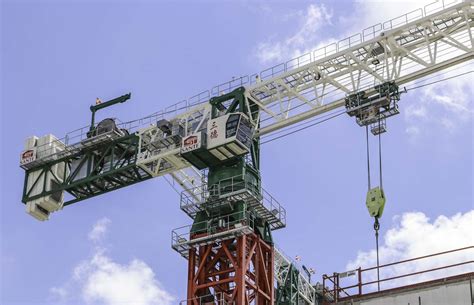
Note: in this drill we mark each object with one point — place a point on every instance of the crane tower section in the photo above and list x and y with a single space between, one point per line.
229 245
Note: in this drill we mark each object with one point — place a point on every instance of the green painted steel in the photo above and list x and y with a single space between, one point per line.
287 293
92 171
210 217
375 202
234 99
97 107
93 167
238 102
236 173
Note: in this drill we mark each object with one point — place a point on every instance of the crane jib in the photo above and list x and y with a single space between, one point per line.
297 93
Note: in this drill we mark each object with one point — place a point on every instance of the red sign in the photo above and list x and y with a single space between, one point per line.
27 156
190 140
191 143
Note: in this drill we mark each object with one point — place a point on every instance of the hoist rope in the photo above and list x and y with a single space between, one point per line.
305 127
368 154
380 157
376 228
376 223
438 81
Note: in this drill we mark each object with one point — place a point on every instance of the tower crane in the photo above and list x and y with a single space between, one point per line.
210 146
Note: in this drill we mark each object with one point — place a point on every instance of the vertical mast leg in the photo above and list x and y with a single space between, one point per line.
235 271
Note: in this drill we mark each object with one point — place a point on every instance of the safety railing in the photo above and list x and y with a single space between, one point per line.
212 299
439 5
278 213
237 188
403 19
371 32
298 61
334 289
229 86
229 186
211 195
282 255
209 231
58 148
349 42
313 56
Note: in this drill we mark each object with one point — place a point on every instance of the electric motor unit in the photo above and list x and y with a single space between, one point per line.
105 126
173 132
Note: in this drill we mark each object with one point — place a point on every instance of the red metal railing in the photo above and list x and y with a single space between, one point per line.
338 292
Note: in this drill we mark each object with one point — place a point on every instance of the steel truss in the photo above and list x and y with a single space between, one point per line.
94 168
236 271
400 50
293 287
420 46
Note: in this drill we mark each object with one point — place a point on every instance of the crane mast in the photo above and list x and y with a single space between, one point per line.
210 146
233 216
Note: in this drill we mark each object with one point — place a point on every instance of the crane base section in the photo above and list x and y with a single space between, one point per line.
236 271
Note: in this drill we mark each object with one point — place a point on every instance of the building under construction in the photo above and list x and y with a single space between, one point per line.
209 147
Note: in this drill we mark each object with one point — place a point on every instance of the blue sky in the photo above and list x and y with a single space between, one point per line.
58 56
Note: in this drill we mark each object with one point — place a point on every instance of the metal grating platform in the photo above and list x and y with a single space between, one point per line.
205 233
378 127
68 150
234 190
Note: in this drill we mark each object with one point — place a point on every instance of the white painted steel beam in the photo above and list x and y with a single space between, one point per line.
403 49
318 82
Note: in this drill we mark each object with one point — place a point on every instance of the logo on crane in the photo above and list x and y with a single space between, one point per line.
190 143
28 156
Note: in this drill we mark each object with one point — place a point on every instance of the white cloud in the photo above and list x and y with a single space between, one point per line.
455 96
446 105
415 235
371 12
108 282
309 34
99 230
101 280
59 293
415 111
448 124
314 18
412 131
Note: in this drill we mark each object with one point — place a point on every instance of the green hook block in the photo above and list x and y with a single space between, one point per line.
375 202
